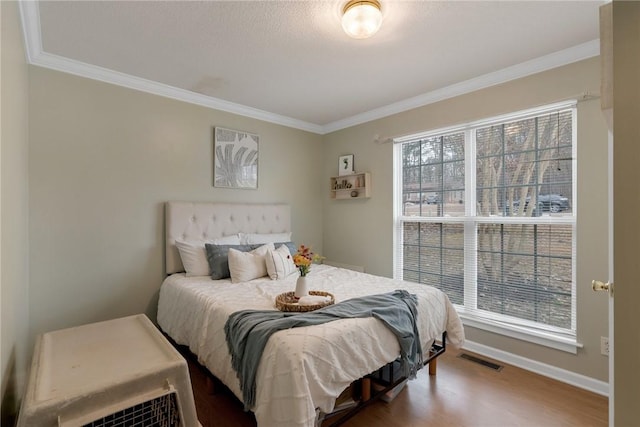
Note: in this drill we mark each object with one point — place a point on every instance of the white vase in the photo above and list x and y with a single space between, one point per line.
302 290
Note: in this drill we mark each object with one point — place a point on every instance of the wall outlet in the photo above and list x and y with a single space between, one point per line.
604 346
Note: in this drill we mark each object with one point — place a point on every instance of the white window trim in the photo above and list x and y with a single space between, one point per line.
552 339
518 115
548 336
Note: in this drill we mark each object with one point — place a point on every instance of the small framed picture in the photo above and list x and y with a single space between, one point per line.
345 165
235 159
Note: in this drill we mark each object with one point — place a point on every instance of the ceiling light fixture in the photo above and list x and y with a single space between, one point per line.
361 18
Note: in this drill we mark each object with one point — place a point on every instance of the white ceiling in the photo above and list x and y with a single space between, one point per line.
290 62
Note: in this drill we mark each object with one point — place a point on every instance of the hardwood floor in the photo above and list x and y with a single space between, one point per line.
463 393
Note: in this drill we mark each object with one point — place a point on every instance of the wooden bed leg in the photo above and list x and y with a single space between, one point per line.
210 385
366 389
433 366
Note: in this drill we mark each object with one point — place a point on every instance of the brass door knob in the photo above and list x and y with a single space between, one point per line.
597 285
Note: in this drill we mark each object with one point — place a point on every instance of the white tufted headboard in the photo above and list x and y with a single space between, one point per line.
208 221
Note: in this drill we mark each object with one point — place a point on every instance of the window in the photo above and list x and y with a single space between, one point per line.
485 212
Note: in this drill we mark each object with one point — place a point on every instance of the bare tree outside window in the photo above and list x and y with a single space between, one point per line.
519 226
520 166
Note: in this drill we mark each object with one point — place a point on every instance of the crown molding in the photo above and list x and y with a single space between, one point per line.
82 69
30 16
543 63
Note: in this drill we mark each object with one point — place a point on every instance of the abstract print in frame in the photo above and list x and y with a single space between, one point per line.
235 159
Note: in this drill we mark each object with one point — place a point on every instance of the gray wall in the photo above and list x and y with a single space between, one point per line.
103 160
360 232
14 263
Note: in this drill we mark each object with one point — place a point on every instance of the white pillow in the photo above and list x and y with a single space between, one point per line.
245 266
257 239
231 239
194 255
279 263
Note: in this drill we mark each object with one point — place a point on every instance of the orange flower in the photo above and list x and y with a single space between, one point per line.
304 258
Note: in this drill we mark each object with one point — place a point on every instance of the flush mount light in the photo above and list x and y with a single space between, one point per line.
361 18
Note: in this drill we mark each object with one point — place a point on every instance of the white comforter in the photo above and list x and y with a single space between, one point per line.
302 368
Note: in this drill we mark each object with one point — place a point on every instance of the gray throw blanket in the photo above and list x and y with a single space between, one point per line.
248 331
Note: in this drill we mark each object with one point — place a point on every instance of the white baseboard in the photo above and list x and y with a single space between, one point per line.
578 380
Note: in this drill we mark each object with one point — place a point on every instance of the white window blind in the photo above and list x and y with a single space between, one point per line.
485 212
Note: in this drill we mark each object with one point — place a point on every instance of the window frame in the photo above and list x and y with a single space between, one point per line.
547 335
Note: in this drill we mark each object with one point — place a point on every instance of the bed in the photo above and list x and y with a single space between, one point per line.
302 370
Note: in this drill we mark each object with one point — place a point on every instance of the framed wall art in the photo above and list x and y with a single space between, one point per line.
235 159
345 165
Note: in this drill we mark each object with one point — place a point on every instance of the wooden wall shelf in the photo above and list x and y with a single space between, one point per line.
354 186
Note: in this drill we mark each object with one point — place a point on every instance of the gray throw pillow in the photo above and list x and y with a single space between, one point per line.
218 257
292 246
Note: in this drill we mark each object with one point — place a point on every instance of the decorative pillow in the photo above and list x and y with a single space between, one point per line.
290 245
217 255
245 266
252 239
194 255
232 239
279 263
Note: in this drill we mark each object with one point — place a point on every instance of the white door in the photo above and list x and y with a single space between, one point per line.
609 287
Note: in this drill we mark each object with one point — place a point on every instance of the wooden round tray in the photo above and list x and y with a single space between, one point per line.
288 301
